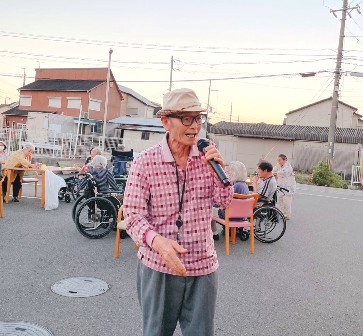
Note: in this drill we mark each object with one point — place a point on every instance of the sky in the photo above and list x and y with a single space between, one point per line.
246 56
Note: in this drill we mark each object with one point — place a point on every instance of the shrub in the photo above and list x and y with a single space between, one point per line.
323 175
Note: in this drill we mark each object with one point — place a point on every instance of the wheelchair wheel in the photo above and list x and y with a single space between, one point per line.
77 204
243 234
96 217
270 224
67 198
76 191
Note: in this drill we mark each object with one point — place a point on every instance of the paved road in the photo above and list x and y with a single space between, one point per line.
308 283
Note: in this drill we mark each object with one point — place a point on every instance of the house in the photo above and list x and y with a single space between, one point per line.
135 105
318 114
304 146
11 117
74 92
138 133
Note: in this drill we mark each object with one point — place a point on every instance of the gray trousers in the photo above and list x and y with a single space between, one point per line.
166 299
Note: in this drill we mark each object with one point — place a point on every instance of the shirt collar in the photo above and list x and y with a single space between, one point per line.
166 153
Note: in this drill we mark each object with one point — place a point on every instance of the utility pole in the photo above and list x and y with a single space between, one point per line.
338 68
206 129
171 72
106 100
24 76
230 114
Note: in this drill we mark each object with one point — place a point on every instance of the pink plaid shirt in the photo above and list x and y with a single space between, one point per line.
151 207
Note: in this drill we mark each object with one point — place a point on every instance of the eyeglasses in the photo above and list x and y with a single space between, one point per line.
188 121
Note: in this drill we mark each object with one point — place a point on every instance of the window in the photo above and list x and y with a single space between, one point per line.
145 135
25 101
21 126
95 104
74 102
55 102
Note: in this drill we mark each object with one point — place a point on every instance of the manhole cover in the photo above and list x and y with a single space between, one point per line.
22 328
80 287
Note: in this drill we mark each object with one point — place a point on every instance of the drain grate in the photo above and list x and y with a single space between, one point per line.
80 287
22 329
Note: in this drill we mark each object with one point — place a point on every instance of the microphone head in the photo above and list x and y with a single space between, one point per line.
201 144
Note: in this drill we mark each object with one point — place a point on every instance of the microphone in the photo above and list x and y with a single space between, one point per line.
203 143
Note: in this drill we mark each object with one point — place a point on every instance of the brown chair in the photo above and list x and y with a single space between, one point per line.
241 206
30 179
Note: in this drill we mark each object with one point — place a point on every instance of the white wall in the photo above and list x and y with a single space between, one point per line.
37 127
251 150
303 155
132 140
319 115
143 110
61 123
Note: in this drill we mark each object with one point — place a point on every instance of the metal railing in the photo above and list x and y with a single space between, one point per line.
356 175
68 145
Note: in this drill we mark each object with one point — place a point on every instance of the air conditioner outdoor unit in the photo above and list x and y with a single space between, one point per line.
85 115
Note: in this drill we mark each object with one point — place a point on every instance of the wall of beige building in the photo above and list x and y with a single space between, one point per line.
134 108
132 140
303 155
319 115
251 150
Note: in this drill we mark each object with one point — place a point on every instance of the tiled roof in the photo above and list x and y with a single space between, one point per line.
15 111
61 85
287 132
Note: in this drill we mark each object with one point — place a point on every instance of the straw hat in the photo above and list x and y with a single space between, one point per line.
180 100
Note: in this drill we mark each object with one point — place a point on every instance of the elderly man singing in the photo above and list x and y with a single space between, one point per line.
167 206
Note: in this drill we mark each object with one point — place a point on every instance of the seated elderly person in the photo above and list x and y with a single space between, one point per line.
265 184
102 176
20 158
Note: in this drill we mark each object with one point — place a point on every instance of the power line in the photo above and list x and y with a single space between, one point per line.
208 49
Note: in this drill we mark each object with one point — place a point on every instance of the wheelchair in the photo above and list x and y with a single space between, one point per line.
119 162
270 223
95 213
72 189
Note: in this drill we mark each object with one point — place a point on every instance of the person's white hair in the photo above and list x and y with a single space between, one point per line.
29 145
96 150
99 161
238 171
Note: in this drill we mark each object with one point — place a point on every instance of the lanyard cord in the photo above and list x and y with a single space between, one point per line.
179 222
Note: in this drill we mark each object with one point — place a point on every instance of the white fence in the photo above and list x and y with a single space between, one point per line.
356 175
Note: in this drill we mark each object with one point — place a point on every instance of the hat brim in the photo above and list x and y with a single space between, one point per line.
161 113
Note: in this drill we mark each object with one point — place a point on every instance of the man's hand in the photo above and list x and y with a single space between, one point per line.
83 169
168 250
211 152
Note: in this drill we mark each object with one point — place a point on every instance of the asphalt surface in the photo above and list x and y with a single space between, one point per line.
308 283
